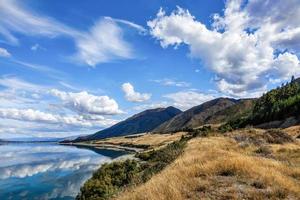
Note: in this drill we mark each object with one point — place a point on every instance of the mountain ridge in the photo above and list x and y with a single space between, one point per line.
196 115
144 121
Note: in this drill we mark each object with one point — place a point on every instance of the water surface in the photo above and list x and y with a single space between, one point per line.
47 170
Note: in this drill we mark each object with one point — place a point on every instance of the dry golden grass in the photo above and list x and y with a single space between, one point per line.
221 168
153 140
294 131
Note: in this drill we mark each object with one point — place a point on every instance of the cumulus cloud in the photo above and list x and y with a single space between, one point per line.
85 103
171 82
244 47
132 95
4 53
104 41
43 117
187 99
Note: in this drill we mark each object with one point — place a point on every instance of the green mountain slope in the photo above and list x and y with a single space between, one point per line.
279 107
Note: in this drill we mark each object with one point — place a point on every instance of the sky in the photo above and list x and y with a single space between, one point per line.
76 67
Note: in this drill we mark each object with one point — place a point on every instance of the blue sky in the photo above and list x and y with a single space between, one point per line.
75 67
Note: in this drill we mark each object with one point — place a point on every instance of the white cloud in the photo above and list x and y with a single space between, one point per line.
4 53
133 25
49 118
85 103
15 83
103 43
132 95
243 47
171 82
26 108
187 99
14 17
18 93
36 47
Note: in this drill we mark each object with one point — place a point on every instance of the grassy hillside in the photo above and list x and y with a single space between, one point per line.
242 164
233 166
241 109
195 116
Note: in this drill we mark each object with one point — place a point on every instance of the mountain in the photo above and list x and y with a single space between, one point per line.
241 109
142 122
196 116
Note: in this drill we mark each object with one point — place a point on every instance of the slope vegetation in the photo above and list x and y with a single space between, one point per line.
195 116
233 166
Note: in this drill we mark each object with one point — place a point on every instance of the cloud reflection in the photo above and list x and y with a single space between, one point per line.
45 171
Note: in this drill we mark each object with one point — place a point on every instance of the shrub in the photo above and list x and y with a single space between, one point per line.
110 178
263 150
276 136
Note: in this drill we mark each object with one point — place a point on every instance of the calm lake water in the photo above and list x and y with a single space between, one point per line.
47 171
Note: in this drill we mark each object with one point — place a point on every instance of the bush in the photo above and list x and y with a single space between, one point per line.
203 131
276 136
110 178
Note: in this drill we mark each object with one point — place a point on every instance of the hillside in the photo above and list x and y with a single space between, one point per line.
242 164
278 108
197 115
142 122
221 167
278 104
242 108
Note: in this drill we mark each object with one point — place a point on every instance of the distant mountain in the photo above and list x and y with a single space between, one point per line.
39 139
196 116
142 122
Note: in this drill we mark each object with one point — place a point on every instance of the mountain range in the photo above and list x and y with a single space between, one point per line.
145 121
278 104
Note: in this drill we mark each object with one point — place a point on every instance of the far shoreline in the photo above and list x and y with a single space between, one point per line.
104 146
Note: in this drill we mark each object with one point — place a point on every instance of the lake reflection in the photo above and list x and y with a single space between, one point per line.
47 171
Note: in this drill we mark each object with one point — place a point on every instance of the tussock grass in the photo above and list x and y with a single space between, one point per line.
219 168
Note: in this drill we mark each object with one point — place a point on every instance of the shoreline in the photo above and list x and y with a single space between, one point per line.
106 146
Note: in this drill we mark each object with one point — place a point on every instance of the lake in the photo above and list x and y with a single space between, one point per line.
47 170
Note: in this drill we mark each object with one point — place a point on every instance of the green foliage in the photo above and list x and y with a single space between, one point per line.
112 177
203 131
109 179
233 124
277 104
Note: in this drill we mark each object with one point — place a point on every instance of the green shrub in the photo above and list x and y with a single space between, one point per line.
109 179
112 177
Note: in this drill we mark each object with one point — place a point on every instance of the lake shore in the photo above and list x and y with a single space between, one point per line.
106 146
